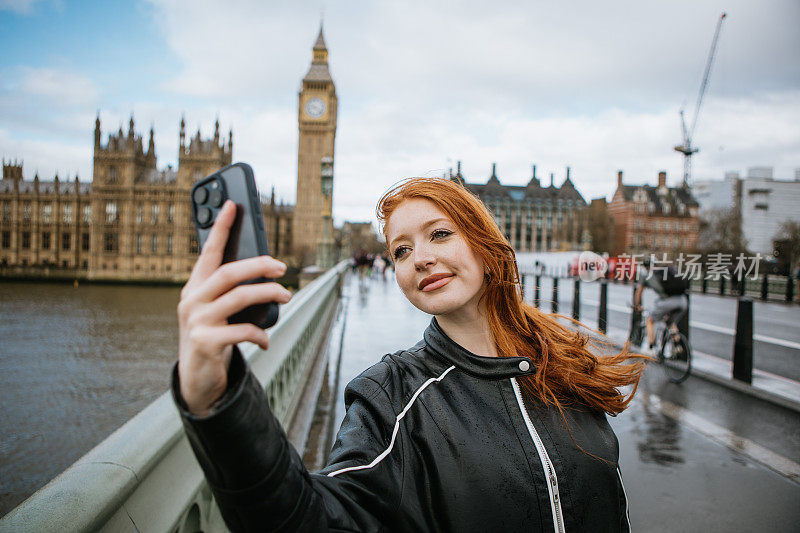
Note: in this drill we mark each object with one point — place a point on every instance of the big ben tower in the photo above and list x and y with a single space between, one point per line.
317 125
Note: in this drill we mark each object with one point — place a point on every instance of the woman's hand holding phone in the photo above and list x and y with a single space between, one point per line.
211 295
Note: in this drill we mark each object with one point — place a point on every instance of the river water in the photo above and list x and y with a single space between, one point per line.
75 364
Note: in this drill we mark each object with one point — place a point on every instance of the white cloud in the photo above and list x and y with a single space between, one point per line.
57 86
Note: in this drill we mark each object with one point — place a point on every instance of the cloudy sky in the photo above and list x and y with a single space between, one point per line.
596 86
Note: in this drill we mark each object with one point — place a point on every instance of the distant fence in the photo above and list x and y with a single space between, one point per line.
766 287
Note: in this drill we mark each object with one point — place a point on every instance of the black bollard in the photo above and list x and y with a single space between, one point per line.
743 345
576 300
765 286
722 285
705 283
683 325
554 303
789 288
537 282
742 284
602 312
523 282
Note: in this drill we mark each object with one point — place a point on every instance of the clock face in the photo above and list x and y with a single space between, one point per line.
315 107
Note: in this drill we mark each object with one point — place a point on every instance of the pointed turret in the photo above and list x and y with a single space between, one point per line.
230 141
216 131
319 63
130 126
97 130
493 178
183 132
151 146
534 182
568 181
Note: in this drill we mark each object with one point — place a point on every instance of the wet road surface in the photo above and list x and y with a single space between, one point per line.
676 476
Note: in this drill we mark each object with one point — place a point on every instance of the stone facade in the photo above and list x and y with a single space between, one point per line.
653 219
532 217
316 117
131 223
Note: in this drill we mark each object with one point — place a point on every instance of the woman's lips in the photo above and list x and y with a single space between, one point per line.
436 281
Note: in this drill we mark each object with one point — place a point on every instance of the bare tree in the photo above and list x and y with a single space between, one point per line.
721 232
787 243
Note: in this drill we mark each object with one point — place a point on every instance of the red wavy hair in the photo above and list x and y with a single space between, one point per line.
567 370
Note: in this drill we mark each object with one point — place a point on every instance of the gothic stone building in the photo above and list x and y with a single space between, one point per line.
132 222
532 217
653 219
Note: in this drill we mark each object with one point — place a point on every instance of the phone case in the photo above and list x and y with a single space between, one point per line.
247 237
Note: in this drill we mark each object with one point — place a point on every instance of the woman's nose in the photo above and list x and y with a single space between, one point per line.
423 258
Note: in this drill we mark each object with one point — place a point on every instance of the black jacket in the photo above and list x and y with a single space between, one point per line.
434 439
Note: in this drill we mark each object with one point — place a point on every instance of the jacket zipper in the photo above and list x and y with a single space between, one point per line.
547 465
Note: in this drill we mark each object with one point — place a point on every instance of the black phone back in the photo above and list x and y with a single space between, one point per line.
247 237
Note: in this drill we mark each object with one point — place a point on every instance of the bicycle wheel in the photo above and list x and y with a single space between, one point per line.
675 357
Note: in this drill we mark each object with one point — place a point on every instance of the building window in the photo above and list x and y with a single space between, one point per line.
85 242
193 248
45 240
111 212
169 244
66 214
26 240
6 212
139 213
26 212
66 240
112 174
87 214
47 213
171 213
139 245
154 244
6 239
155 213
110 242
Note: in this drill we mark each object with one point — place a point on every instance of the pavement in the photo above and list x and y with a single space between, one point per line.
700 456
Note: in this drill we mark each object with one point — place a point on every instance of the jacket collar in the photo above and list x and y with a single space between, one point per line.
486 367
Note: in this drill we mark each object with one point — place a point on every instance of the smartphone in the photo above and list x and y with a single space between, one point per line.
247 237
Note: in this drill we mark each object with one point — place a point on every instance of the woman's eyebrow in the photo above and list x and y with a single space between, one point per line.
426 225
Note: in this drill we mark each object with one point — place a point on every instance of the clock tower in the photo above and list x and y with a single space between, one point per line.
316 120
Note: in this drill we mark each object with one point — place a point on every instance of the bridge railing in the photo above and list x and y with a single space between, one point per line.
144 476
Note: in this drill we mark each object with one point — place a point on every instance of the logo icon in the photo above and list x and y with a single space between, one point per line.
591 266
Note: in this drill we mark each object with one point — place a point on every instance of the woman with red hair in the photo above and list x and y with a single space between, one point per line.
494 421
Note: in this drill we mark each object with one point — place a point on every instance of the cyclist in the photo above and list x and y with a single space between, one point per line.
671 297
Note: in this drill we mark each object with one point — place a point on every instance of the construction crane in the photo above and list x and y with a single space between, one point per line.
686 148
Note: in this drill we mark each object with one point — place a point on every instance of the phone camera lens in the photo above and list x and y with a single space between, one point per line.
215 198
200 195
204 215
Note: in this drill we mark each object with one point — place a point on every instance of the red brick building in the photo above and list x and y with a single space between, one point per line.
653 219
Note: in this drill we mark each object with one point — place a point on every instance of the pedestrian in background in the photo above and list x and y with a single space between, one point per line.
494 421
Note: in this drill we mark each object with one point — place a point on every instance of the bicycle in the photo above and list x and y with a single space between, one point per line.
674 352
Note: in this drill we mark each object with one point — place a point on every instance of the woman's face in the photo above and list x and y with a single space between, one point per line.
436 269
